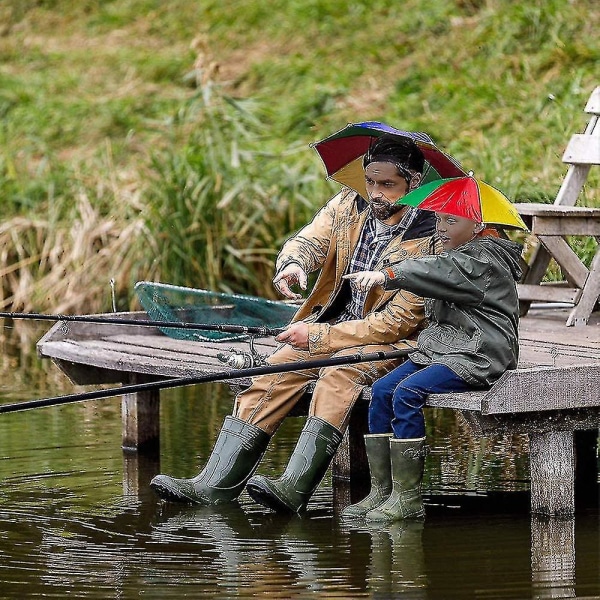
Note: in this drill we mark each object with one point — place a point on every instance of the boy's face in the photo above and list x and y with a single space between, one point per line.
455 231
385 186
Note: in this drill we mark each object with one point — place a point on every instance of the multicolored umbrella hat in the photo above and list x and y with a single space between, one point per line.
466 197
343 151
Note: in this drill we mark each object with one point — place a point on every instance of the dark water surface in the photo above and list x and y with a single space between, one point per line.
77 519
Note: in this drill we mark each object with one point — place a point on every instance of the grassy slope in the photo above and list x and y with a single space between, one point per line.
97 98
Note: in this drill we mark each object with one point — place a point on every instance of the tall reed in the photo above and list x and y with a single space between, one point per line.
221 197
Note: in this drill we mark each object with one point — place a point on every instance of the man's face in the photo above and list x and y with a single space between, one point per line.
455 231
384 187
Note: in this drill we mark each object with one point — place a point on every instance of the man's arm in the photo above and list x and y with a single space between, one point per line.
310 246
400 319
289 275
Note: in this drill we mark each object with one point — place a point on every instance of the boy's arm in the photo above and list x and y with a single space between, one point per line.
451 276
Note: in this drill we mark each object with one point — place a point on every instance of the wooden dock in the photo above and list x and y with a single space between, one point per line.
551 396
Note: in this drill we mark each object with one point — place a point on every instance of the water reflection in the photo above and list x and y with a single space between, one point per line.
553 557
78 519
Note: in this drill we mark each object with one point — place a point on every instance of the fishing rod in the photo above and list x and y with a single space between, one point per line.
208 378
259 331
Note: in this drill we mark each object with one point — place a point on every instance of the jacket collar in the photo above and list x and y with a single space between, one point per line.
422 226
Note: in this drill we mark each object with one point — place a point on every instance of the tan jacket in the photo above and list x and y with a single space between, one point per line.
327 243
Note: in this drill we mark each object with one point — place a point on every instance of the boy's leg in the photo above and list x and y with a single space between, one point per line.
381 411
411 393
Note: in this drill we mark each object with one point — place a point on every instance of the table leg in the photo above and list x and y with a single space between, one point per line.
589 295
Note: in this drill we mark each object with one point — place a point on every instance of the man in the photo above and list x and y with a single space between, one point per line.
349 234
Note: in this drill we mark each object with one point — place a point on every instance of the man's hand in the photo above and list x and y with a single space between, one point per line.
291 274
296 335
364 280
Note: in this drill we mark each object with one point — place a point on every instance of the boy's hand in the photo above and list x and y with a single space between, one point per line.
364 280
290 275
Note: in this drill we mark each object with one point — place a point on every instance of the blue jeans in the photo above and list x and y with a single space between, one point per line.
398 398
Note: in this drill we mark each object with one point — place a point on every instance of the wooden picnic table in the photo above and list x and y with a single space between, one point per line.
553 393
553 224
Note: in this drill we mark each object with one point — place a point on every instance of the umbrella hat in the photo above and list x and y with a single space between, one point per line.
342 154
466 197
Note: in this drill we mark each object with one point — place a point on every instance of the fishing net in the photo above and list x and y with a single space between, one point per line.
164 302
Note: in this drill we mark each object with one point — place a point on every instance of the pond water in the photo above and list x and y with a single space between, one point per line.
78 520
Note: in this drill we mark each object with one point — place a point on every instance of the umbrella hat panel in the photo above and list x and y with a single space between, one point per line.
342 154
445 196
466 197
498 209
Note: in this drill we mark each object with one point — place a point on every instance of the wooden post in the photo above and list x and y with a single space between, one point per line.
140 413
552 466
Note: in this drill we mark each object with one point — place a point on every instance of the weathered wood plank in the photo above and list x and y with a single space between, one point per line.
573 269
593 104
568 225
111 356
583 149
547 293
557 211
544 389
572 185
547 325
79 330
537 389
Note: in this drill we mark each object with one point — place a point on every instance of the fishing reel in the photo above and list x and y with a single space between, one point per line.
240 359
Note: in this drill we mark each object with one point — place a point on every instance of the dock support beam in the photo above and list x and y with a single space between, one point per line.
140 413
552 466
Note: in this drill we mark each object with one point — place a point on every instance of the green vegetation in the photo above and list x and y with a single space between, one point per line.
143 139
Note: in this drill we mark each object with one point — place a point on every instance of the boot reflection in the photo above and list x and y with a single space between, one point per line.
249 558
397 560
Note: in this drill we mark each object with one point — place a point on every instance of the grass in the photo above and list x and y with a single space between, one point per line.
142 139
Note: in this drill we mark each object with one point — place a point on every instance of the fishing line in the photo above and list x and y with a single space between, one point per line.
259 331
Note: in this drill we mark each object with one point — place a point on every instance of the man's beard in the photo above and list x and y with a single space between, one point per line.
384 210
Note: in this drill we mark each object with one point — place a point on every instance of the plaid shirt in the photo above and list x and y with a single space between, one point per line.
373 240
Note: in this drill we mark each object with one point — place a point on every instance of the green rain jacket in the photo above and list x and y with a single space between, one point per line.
472 307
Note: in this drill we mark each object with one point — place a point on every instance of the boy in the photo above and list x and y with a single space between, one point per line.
471 339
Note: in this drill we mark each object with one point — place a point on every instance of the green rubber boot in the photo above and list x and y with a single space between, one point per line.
235 456
378 456
308 464
405 501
